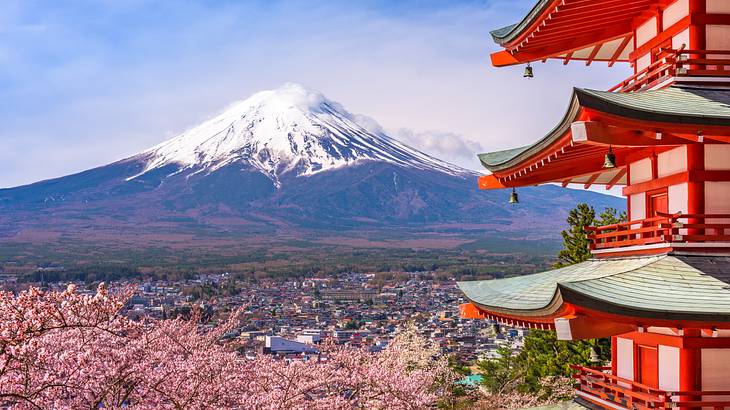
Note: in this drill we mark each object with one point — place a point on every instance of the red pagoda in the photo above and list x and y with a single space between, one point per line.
659 284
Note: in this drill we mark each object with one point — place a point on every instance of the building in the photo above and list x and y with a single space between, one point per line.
659 284
279 345
348 295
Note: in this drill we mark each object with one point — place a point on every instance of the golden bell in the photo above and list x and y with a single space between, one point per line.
513 199
528 72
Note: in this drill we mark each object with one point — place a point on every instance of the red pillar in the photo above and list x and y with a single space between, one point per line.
614 354
696 30
690 368
695 189
696 152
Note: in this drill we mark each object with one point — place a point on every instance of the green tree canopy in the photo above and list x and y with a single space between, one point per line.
543 355
575 239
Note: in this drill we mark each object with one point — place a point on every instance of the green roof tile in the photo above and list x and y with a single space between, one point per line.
668 286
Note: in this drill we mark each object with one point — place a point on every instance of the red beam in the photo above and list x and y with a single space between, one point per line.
591 180
620 50
598 133
593 53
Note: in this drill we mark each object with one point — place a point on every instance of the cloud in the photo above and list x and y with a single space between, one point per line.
448 146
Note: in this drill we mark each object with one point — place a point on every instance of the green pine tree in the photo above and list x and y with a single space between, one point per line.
611 216
575 239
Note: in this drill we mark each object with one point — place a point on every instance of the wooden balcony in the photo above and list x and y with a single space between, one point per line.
663 232
680 66
598 386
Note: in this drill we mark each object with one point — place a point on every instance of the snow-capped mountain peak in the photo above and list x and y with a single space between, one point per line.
289 129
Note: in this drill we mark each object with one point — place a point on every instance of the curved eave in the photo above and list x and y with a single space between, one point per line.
595 305
506 159
663 290
506 34
695 107
600 30
699 106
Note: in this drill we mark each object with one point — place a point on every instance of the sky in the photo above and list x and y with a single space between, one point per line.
87 82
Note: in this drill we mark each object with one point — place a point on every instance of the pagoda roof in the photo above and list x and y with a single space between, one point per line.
667 287
672 105
594 30
508 33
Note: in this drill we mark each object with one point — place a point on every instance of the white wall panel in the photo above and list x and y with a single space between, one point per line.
625 358
718 6
675 12
643 62
640 171
681 39
717 201
715 364
717 157
717 197
672 161
637 203
646 32
668 368
678 195
717 37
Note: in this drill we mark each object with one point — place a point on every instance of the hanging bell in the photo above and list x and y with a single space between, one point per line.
513 199
528 72
609 161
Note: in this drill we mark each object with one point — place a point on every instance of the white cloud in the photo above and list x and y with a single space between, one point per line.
448 146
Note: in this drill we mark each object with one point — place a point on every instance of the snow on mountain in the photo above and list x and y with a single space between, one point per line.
290 129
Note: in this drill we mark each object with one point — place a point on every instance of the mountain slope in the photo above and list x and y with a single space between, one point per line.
279 164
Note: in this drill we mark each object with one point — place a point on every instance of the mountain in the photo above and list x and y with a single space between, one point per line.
286 163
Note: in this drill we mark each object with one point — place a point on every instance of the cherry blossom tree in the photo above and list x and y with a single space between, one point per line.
66 350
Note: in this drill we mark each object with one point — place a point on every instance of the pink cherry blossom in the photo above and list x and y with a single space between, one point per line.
66 350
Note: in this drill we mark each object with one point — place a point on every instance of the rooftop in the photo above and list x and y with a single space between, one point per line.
666 287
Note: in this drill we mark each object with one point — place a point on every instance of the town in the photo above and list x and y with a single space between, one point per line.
289 318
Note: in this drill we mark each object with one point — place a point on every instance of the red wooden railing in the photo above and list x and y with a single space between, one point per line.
700 227
678 63
663 228
599 383
631 233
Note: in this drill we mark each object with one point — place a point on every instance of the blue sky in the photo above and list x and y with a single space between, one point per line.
84 83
